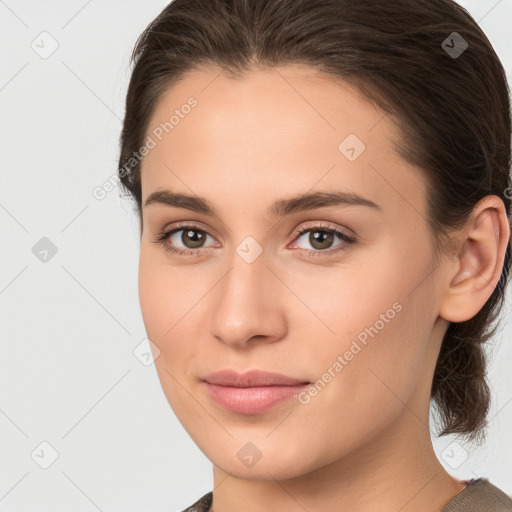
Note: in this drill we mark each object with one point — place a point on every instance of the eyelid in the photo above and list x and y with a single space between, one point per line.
319 225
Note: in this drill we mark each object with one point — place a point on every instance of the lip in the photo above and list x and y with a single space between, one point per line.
251 378
252 392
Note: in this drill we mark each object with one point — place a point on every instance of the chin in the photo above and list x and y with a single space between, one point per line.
256 460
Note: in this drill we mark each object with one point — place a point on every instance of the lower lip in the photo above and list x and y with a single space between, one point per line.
252 400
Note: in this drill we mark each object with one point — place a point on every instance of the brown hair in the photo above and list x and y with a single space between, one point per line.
453 111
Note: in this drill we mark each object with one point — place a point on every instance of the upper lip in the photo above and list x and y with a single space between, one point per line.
251 379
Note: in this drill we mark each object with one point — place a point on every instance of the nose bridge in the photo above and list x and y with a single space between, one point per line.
243 307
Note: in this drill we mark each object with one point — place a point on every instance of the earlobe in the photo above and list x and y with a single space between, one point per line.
479 264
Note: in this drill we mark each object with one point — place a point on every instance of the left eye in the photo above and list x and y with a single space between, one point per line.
322 239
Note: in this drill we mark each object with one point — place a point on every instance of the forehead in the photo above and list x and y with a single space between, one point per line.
272 99
285 126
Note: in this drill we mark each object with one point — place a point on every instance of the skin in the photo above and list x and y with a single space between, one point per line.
363 442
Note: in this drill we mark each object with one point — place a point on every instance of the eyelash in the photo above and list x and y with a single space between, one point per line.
162 238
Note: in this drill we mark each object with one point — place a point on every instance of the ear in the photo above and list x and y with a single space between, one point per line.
477 266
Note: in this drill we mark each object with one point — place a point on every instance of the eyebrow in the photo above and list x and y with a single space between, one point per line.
282 207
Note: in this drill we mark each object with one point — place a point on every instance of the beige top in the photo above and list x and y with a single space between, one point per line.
478 496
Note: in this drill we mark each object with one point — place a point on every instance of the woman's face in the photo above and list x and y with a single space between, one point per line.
356 319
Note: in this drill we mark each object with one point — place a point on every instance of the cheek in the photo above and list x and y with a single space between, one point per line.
161 305
164 307
369 367
166 294
152 296
371 390
169 300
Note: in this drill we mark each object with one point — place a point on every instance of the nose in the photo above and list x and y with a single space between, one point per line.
247 304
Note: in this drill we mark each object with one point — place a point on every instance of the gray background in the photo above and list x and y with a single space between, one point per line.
69 377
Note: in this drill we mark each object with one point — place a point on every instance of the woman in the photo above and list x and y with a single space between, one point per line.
324 199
